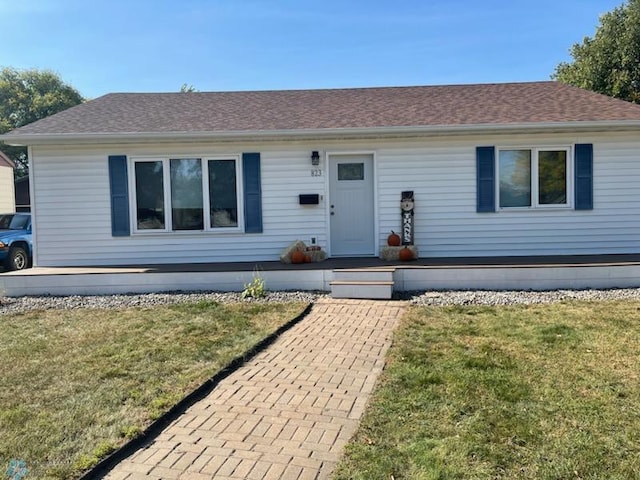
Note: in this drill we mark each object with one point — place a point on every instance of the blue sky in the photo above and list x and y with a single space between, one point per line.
158 45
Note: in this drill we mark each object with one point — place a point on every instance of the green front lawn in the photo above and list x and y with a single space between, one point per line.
519 392
75 385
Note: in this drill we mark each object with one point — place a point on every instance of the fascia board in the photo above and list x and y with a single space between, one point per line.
314 134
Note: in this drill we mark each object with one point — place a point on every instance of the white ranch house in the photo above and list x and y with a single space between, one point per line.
497 170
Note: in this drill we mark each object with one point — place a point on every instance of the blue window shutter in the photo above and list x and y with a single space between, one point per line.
584 176
485 177
252 193
118 183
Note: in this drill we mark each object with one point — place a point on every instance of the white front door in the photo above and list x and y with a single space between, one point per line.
351 207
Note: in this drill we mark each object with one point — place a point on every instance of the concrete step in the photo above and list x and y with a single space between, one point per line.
364 274
372 289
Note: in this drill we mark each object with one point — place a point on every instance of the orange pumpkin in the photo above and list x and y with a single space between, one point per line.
393 240
297 257
405 254
307 259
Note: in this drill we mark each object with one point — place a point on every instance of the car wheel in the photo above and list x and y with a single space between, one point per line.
18 259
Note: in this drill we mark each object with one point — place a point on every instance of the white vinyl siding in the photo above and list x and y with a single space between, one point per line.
73 216
74 225
7 193
443 179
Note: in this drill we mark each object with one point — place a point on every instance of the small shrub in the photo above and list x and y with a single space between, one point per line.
256 288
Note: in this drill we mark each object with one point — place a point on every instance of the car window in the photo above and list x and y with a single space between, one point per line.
5 221
19 222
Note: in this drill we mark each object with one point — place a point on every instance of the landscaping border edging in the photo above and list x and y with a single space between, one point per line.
105 465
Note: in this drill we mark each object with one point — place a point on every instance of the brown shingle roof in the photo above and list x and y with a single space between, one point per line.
296 110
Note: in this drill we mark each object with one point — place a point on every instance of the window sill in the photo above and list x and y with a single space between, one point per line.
182 233
537 209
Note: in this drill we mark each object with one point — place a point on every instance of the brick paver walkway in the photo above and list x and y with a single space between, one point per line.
289 412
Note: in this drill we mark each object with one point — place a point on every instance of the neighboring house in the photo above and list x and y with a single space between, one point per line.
23 201
7 202
497 170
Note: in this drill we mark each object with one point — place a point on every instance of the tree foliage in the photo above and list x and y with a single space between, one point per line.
27 96
187 88
608 63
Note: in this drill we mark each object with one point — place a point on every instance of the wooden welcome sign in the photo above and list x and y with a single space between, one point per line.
406 209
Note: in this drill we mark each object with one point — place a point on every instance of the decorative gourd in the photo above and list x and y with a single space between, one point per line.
393 240
297 257
307 259
405 254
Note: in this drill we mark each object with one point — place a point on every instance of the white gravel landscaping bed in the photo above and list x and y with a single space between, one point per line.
23 304
522 297
434 298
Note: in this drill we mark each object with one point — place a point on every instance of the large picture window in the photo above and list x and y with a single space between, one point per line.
186 194
534 178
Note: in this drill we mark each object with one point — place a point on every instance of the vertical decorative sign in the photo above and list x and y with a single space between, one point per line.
406 209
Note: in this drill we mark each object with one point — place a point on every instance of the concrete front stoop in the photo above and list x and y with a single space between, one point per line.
363 283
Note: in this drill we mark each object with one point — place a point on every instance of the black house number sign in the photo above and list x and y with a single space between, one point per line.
406 209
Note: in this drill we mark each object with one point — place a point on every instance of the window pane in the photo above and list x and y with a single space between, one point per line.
552 178
351 171
186 194
222 193
515 178
5 221
149 196
19 222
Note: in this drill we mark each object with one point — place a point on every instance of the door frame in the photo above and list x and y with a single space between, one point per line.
327 159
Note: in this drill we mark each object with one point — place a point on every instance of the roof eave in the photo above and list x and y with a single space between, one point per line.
6 161
319 133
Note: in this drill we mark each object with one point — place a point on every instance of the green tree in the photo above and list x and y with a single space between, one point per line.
608 63
27 96
187 88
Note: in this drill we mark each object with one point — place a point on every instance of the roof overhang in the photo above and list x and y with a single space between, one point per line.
6 161
28 139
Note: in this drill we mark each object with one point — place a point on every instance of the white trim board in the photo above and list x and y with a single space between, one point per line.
113 281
